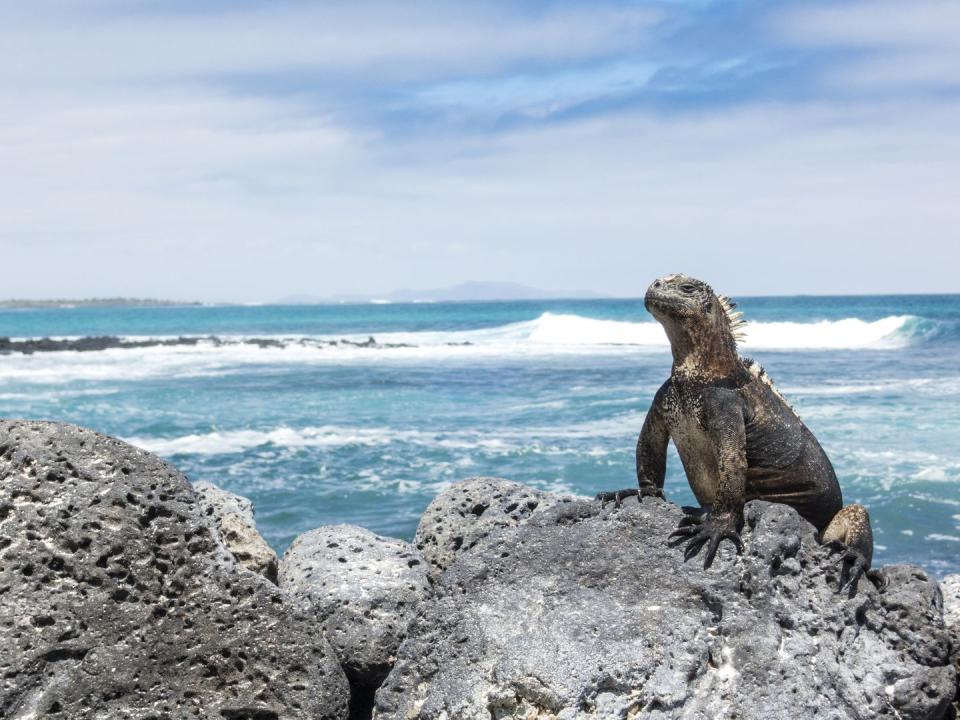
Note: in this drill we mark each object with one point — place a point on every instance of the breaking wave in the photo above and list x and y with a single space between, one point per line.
849 333
560 331
551 334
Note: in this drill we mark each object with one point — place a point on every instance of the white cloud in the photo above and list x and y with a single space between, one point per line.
898 45
904 71
887 23
397 40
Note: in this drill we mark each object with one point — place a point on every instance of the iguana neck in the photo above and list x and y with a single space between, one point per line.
706 357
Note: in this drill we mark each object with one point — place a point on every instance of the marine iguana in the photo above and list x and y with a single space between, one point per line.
736 435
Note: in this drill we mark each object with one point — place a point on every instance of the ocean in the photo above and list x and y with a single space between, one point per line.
548 393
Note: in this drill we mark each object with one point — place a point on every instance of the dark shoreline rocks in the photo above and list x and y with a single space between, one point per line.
117 600
110 342
87 344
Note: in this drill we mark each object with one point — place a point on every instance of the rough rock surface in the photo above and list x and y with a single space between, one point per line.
468 511
950 587
233 516
365 589
584 612
117 601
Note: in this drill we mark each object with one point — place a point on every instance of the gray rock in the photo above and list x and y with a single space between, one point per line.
117 601
585 612
233 516
365 589
950 587
468 511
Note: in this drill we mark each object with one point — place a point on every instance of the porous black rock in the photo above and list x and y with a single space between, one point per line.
365 589
232 515
583 611
469 511
117 600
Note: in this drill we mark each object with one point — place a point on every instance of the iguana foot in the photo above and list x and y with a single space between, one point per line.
706 529
853 566
616 496
878 579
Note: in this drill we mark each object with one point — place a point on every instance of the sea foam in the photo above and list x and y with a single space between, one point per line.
558 331
504 440
551 334
555 332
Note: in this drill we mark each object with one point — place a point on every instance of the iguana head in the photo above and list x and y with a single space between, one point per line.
698 321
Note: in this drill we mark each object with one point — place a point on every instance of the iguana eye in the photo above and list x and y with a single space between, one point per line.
688 288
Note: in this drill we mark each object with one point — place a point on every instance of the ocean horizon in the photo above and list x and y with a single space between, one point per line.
295 407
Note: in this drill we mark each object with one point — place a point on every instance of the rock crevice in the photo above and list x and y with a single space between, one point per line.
365 589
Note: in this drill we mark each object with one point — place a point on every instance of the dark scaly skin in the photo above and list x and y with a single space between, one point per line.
737 437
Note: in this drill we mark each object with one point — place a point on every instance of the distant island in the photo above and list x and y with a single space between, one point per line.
464 292
90 302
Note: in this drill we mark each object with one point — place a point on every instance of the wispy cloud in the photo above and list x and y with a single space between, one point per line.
890 45
875 24
400 41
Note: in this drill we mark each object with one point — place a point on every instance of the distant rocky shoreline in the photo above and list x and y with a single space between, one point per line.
125 591
30 346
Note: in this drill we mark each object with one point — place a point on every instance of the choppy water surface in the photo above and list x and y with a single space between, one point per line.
547 393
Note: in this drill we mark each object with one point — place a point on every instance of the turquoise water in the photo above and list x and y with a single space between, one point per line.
547 393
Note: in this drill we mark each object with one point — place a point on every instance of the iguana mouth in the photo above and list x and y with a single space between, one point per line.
659 301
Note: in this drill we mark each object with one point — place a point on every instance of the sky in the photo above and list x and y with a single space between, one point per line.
246 151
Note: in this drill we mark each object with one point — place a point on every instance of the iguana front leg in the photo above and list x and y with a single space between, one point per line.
651 457
723 417
652 451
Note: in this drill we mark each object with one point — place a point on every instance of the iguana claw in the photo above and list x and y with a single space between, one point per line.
853 565
709 530
617 496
